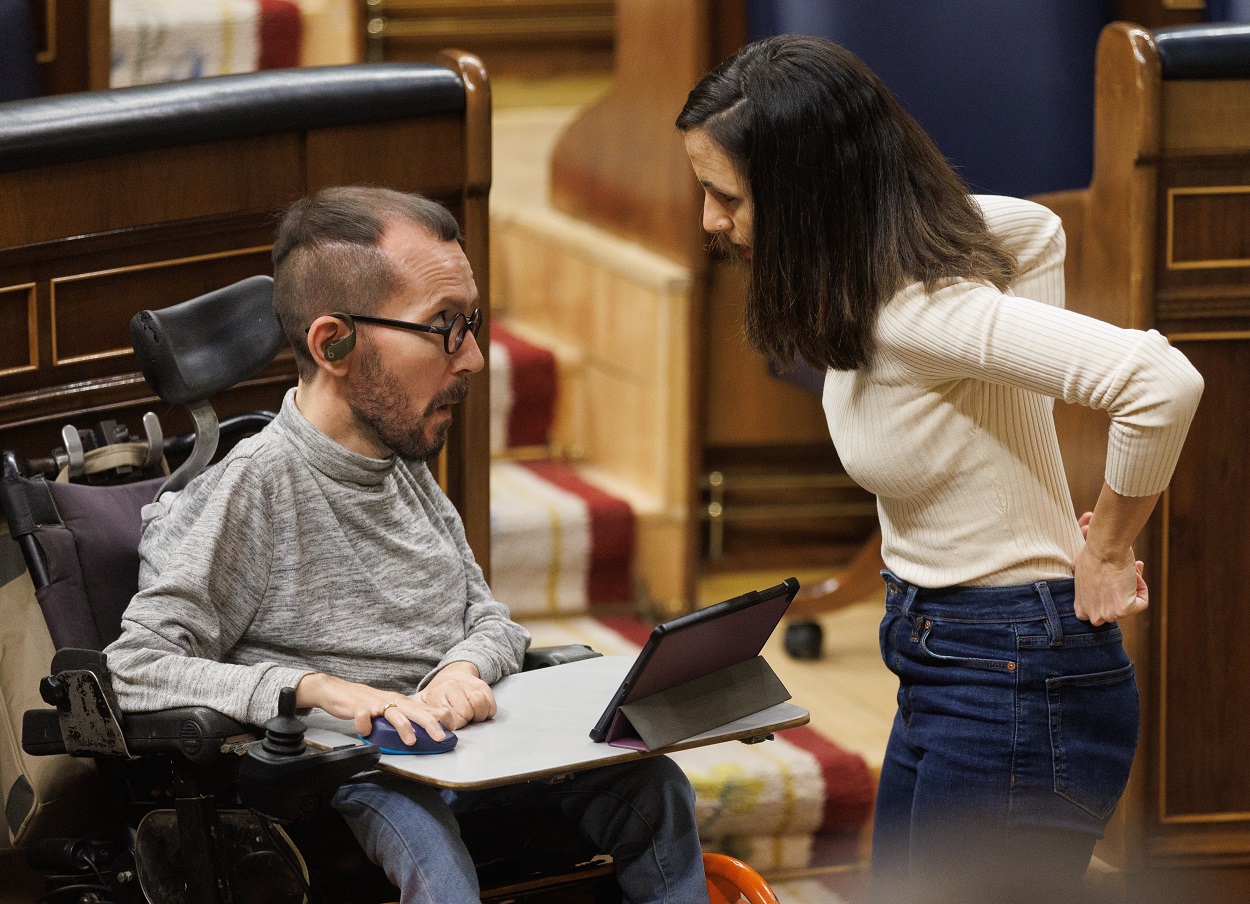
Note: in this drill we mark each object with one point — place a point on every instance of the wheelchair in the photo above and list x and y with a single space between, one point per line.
188 805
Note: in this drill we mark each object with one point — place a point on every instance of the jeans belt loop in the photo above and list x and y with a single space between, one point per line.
1054 627
909 599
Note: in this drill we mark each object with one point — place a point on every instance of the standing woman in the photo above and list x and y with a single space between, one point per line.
939 318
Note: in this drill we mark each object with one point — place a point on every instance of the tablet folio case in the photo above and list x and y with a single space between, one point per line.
696 706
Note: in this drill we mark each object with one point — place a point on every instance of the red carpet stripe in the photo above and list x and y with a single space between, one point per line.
849 791
281 30
533 389
609 575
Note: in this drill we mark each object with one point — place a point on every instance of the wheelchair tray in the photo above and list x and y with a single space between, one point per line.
541 730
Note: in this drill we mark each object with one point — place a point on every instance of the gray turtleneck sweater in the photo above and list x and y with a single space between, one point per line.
295 555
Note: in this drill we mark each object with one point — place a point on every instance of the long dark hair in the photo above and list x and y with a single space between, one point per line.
852 200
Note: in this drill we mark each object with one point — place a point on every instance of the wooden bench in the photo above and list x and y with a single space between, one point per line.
1161 239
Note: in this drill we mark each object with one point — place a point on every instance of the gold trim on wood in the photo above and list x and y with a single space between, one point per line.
1209 337
47 53
1184 4
150 265
1165 519
32 328
1165 515
498 29
515 8
1172 264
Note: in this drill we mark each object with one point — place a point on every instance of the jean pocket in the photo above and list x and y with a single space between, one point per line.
1094 720
960 645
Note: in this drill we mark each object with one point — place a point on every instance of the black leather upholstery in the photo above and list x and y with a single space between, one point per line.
191 351
1204 51
96 124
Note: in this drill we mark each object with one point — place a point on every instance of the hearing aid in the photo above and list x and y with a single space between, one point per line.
338 348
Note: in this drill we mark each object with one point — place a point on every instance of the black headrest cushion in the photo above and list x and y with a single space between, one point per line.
191 351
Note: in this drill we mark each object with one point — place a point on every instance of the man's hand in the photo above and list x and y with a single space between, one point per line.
459 689
360 703
1107 587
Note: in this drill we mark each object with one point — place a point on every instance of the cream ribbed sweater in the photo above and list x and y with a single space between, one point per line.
952 425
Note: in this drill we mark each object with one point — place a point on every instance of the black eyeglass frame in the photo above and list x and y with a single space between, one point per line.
472 324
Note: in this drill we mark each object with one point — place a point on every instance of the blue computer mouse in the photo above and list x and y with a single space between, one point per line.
387 739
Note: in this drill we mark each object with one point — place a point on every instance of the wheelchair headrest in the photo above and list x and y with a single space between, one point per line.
1204 51
97 124
193 350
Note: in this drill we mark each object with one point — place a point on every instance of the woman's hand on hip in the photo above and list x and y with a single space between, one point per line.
1108 587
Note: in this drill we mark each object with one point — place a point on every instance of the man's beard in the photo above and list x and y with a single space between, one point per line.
381 405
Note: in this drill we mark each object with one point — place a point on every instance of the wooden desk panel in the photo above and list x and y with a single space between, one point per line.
1202 616
167 185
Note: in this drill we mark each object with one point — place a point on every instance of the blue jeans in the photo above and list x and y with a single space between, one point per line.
1016 727
641 812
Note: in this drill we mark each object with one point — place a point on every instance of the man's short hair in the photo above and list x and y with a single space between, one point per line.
326 256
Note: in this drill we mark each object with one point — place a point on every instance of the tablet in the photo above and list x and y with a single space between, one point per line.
699 643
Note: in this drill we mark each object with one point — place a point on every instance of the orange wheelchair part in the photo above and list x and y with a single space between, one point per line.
730 881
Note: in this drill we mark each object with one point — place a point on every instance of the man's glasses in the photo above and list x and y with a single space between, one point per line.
453 334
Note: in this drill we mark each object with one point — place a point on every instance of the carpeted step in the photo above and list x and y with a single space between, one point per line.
771 804
523 391
558 543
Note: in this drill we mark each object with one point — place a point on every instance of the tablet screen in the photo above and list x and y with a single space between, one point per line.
700 643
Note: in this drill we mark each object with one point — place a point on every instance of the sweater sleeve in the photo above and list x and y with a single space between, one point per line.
493 641
1149 389
1034 234
204 572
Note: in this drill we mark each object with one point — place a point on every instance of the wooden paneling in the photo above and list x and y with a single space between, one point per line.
516 37
1203 244
89 313
426 155
621 164
18 324
72 43
1203 228
745 405
465 464
1159 13
1199 116
1203 735
160 186
1159 240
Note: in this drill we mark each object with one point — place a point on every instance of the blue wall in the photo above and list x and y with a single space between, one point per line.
17 51
1004 87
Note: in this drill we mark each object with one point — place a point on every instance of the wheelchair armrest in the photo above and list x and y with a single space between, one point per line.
195 732
543 657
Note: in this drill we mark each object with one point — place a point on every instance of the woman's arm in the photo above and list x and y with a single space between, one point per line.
1109 582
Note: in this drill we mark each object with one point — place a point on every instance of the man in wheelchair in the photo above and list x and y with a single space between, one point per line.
321 554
